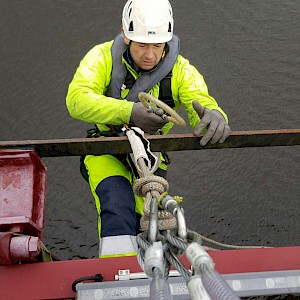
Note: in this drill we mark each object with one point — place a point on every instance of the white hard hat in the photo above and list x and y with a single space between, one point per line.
148 21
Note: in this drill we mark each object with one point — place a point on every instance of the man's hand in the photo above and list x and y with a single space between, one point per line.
217 128
148 121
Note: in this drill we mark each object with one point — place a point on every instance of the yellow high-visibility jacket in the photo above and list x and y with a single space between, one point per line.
87 101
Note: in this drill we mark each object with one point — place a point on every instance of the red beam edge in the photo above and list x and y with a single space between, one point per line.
53 280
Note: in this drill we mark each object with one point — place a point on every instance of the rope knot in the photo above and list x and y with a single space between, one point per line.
148 184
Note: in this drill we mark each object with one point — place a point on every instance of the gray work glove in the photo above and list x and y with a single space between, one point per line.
145 119
217 128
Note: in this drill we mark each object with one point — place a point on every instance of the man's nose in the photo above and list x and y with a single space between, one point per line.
149 53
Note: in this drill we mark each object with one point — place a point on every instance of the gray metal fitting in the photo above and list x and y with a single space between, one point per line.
34 246
197 256
154 259
196 289
24 247
170 204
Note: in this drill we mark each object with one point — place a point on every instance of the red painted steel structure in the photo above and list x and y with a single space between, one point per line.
23 184
53 280
22 209
22 205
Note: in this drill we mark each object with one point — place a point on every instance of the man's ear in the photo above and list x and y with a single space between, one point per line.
126 40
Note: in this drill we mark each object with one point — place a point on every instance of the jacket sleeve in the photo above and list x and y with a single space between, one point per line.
189 85
86 98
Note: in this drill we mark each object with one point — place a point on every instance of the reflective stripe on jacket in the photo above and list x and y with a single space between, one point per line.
86 98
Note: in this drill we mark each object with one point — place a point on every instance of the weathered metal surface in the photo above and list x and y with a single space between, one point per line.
171 142
5 258
53 280
22 192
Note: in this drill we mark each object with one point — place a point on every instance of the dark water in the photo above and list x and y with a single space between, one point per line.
248 52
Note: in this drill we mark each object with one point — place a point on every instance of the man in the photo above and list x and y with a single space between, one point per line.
104 91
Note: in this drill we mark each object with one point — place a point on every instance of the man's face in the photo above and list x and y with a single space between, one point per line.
146 56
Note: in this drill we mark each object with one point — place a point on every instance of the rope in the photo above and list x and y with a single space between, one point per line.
151 186
228 246
150 183
172 258
162 214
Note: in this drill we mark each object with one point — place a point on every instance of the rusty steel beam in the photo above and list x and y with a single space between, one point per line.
171 142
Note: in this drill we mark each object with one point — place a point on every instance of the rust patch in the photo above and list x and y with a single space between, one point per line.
11 179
